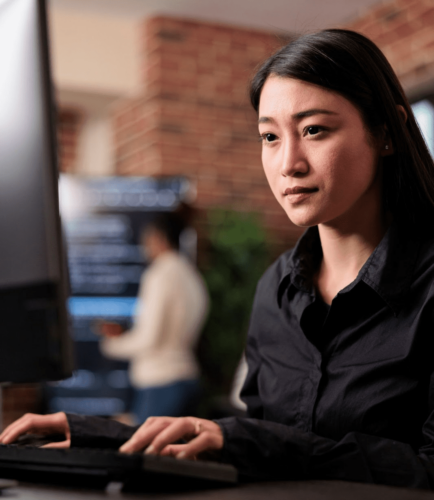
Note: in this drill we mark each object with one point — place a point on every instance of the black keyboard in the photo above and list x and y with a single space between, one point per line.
90 467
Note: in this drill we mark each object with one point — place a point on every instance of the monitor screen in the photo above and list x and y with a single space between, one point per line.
34 340
103 219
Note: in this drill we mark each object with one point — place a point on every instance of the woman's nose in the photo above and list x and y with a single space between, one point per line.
293 162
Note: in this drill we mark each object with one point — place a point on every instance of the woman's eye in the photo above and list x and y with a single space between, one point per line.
313 130
268 137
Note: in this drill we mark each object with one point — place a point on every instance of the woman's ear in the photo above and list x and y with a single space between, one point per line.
402 112
387 146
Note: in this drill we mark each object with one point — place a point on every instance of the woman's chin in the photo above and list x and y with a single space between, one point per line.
304 220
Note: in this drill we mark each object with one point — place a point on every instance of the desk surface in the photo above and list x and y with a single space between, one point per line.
294 490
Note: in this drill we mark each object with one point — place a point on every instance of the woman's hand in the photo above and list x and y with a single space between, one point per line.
30 423
109 329
157 434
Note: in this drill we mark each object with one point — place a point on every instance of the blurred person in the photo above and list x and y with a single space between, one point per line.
340 381
172 306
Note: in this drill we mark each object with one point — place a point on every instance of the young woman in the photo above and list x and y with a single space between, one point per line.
160 345
341 342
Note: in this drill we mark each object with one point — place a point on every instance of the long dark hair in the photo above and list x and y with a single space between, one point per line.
350 64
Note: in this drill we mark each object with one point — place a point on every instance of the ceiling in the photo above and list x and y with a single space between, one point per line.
274 15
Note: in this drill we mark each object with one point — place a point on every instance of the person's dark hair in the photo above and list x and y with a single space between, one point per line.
350 64
170 225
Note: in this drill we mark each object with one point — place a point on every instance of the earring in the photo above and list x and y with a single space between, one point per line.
386 146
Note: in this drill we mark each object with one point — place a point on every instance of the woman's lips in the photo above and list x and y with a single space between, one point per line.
298 193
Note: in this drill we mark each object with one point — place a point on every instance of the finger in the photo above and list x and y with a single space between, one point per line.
188 450
139 440
172 450
178 429
145 434
151 428
206 441
40 424
23 427
12 426
60 444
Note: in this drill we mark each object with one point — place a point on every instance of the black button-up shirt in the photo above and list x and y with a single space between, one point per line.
339 392
345 391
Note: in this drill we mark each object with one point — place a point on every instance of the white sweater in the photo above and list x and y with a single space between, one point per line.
173 302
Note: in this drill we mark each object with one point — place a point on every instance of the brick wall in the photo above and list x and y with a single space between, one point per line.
68 128
404 30
194 117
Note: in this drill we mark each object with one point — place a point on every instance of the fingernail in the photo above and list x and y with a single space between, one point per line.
149 450
181 455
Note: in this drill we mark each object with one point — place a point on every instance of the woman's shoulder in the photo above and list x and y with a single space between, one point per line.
167 263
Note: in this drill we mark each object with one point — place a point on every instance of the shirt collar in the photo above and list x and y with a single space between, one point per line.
302 263
390 268
388 271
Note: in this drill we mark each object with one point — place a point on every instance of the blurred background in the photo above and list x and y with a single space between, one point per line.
153 111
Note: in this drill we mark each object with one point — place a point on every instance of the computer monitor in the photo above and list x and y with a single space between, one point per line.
34 340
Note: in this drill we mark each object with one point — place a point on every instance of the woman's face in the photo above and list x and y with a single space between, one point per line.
317 155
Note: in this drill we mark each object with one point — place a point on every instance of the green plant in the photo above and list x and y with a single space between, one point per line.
237 257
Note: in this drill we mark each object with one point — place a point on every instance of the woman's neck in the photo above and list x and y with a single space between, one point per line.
346 247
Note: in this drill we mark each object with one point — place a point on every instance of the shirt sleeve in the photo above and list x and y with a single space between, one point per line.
97 432
267 450
154 300
250 393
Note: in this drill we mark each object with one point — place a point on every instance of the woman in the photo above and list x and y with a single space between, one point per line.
160 346
340 343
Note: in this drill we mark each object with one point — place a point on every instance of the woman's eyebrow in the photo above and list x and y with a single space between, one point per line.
312 112
265 119
300 115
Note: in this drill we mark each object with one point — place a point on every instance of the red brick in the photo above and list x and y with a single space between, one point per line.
68 129
404 30
427 17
